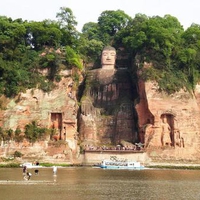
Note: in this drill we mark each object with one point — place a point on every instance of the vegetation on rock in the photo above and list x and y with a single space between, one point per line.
32 133
27 48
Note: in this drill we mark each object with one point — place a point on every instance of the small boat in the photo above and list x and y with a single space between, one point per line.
120 164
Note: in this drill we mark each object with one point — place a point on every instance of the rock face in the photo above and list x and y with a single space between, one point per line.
57 110
180 112
112 109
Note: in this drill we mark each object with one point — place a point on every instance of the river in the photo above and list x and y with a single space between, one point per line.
87 183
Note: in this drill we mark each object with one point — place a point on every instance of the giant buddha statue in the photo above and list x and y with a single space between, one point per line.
107 111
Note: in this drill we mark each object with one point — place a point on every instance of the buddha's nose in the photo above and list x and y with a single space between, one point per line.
108 56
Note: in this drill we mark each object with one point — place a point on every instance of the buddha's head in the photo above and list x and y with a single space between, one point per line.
108 57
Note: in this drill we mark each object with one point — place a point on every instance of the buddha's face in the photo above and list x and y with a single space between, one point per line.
108 57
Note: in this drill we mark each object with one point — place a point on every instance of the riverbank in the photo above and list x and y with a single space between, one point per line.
17 165
188 166
164 165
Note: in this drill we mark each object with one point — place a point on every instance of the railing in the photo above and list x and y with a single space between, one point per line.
137 147
125 150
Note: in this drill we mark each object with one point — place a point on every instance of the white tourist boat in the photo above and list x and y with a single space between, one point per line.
115 163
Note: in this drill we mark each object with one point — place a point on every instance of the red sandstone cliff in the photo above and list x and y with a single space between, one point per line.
58 106
181 111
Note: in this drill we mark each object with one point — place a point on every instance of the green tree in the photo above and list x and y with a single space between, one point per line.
51 61
134 36
158 41
67 23
90 31
90 44
189 54
42 34
91 49
110 22
12 39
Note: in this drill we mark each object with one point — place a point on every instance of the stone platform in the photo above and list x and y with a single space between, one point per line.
92 157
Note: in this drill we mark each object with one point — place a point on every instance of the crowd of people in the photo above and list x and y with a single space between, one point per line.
135 147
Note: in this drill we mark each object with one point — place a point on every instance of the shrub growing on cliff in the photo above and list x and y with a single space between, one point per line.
6 135
1 134
34 133
72 58
17 154
18 137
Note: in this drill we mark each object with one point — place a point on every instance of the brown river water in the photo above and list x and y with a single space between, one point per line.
87 183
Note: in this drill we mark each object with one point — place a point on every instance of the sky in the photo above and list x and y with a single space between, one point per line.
186 11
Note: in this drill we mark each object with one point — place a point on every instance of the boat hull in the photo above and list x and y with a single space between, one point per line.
120 167
120 164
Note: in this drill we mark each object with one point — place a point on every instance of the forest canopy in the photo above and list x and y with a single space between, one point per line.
26 48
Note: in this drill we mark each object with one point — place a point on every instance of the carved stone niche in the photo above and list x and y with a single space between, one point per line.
56 121
168 127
